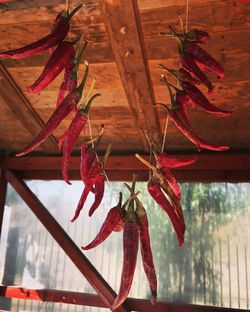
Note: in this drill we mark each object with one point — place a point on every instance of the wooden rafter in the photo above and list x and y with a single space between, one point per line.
103 289
123 26
21 107
71 297
220 167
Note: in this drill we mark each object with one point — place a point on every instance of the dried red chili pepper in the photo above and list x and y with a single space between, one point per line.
204 58
68 104
59 59
188 62
146 251
180 74
197 97
59 32
172 182
155 191
95 178
114 222
168 161
130 250
189 133
69 82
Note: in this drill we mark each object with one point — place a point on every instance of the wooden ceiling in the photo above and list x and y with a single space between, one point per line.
125 48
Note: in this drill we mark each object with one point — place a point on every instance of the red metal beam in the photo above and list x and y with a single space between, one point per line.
103 289
84 299
3 189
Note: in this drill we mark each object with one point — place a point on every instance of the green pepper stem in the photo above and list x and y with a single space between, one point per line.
97 138
173 72
120 200
106 155
134 196
75 10
79 57
79 89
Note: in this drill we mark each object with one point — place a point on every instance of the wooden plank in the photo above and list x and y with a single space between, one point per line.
123 27
103 289
20 106
3 190
70 297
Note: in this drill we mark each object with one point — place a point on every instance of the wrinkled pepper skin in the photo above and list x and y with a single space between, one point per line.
147 256
58 33
99 192
59 59
198 98
130 250
188 63
155 191
172 182
204 58
113 222
189 134
76 127
85 193
68 104
168 161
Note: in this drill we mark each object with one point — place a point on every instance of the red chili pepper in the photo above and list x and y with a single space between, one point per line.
197 97
113 222
68 104
146 252
57 62
77 125
99 192
181 74
189 133
170 178
147 257
69 82
130 250
155 191
59 32
85 193
168 161
61 140
87 159
188 62
181 104
204 58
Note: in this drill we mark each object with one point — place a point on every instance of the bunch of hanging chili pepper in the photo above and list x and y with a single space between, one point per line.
93 177
194 60
59 31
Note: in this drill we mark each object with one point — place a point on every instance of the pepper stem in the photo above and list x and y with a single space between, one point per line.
120 200
85 108
107 153
164 80
75 10
145 162
79 57
79 89
173 72
134 196
66 5
97 138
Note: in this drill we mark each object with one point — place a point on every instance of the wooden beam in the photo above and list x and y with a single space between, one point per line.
103 289
70 297
210 167
3 189
21 107
123 26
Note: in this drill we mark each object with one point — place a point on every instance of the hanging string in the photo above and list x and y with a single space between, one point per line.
177 83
